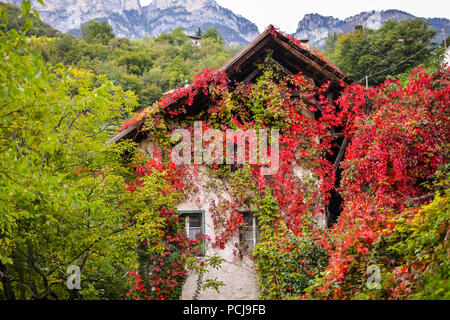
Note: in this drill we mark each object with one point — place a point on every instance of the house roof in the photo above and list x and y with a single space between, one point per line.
287 51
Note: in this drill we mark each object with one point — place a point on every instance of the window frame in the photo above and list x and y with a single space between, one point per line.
254 228
187 213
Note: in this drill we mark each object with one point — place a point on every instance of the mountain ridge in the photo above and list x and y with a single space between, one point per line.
131 20
316 27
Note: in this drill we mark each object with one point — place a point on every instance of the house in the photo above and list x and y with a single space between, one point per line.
447 56
291 56
195 40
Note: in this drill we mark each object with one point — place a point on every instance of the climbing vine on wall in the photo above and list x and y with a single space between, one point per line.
396 162
304 141
398 138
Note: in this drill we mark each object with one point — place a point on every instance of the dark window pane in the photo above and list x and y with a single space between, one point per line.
248 218
249 233
195 221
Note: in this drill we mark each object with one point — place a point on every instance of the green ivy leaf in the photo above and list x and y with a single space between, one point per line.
4 15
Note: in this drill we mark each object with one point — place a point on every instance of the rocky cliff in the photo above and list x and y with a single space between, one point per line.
164 15
130 20
316 27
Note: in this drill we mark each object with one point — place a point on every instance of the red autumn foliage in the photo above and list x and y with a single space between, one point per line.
397 138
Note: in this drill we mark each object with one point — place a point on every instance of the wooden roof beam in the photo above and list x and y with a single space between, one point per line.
306 60
129 132
251 76
242 57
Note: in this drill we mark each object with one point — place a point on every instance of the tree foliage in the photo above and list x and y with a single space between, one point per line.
394 48
95 31
149 66
213 34
60 186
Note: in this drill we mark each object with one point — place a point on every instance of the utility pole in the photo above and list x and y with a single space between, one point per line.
445 39
367 82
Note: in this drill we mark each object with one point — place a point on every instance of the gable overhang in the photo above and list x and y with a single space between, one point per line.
293 57
287 52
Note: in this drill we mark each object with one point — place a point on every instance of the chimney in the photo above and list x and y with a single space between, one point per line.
305 43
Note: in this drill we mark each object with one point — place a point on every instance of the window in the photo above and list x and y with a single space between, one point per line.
194 224
249 236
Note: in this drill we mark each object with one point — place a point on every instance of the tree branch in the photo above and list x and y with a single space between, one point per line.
341 154
7 289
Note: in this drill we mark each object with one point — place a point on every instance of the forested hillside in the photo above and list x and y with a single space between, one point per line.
150 66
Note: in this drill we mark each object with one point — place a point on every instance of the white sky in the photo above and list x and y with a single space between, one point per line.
286 14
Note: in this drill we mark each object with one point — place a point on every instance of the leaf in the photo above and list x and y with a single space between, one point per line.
26 7
5 260
4 15
27 26
36 14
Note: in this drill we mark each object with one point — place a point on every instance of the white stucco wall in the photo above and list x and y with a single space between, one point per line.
447 56
237 274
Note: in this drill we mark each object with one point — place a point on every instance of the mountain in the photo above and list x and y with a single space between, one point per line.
316 27
164 15
68 15
129 19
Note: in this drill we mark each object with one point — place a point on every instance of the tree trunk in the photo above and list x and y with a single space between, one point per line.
9 293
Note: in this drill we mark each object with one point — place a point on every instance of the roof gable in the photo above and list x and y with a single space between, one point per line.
287 52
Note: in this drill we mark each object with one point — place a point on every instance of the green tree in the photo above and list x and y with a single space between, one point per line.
213 33
95 31
393 49
136 62
198 33
178 72
61 188
177 37
330 44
